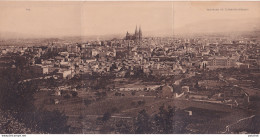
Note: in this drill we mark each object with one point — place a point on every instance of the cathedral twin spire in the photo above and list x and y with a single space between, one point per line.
136 32
137 35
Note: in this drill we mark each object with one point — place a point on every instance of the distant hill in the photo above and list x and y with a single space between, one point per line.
14 35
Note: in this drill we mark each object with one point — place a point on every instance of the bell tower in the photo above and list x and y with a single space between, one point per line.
136 33
140 33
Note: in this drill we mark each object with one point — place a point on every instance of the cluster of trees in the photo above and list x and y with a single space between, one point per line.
163 122
47 55
102 82
17 98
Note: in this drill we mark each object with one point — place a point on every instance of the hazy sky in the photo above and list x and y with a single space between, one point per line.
101 18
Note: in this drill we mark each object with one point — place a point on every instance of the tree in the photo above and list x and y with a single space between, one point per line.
164 120
53 122
143 123
20 63
51 81
123 127
17 97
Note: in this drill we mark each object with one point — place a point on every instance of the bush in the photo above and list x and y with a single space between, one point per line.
74 93
87 102
114 110
67 96
141 102
106 116
104 94
80 117
133 103
118 94
133 93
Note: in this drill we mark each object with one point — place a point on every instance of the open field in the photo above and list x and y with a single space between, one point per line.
83 118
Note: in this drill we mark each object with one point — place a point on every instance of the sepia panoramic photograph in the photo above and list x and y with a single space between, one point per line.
122 67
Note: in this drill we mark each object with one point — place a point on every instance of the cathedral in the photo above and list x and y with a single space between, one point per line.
136 36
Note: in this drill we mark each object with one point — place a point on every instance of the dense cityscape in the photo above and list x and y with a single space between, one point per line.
135 84
129 67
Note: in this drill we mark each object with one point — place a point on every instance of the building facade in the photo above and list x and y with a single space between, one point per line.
221 62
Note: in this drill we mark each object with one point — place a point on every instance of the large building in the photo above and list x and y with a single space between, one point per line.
221 62
136 36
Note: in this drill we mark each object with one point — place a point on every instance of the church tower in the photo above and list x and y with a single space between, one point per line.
127 37
136 33
140 33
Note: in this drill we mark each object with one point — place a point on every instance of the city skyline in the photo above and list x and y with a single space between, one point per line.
129 68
